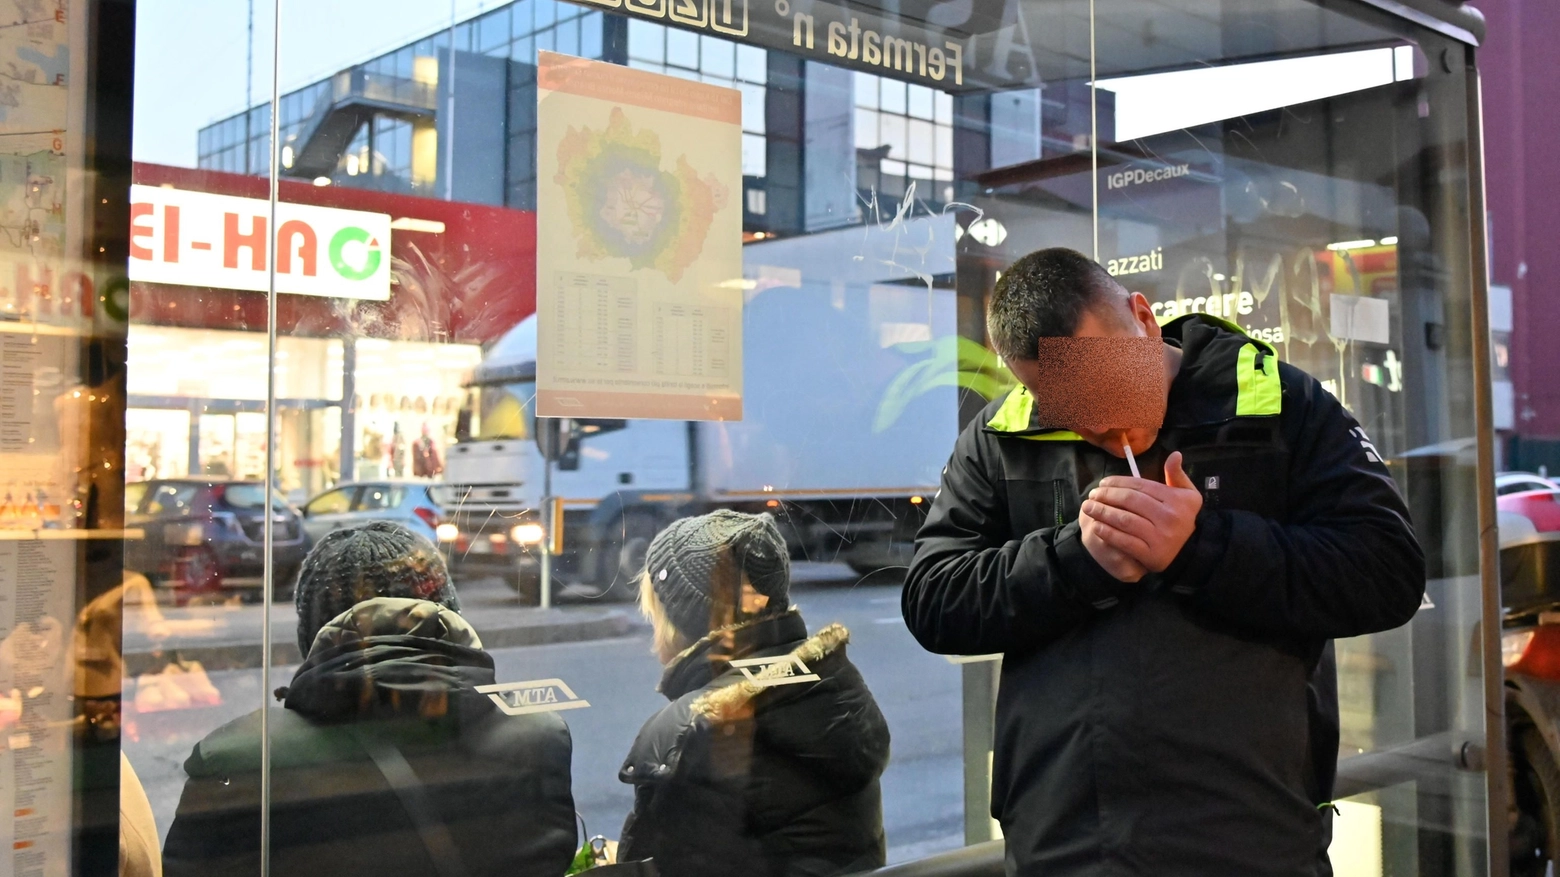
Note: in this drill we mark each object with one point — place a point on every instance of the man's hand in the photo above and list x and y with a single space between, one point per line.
1144 520
1115 563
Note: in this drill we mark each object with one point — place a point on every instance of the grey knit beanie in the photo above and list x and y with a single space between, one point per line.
696 566
354 564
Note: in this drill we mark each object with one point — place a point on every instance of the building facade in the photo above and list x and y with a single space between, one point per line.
1524 220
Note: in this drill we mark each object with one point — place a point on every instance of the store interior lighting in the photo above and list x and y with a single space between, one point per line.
411 223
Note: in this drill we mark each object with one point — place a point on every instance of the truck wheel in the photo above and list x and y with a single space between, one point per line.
1535 836
622 558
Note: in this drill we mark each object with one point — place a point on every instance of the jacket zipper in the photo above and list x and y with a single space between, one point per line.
1056 501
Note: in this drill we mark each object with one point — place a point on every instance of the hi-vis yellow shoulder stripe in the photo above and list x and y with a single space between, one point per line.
1014 416
1257 387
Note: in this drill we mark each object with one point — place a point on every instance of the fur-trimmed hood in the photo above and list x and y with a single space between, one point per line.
733 702
830 723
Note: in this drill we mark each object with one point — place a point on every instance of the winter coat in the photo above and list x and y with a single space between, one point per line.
384 758
1187 724
737 778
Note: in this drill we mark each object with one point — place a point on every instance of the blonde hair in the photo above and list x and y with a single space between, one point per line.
666 641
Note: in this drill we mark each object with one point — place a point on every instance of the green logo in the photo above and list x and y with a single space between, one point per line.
352 235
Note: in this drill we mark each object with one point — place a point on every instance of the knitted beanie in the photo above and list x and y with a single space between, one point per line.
696 567
354 564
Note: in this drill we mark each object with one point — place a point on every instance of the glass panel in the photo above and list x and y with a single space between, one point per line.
809 224
568 40
646 41
866 90
920 101
590 35
892 96
1281 182
752 64
717 57
682 48
493 30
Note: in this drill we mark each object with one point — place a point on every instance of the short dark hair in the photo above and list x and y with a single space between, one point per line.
1043 295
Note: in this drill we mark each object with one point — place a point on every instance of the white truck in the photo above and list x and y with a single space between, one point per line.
852 388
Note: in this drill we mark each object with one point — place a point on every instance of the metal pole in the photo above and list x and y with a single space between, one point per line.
249 92
449 117
548 523
980 677
346 470
1497 781
269 565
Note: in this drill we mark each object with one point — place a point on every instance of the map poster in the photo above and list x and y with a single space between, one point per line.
639 284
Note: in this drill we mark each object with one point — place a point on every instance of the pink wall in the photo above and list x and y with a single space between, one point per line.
1520 63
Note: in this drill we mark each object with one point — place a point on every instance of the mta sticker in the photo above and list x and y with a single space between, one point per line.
1371 453
537 696
769 672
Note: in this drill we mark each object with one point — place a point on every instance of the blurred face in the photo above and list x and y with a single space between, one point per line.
1120 315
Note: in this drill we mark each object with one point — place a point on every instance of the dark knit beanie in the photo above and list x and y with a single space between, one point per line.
696 567
354 564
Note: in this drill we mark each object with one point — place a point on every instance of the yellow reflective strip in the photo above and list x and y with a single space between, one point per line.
1014 414
1257 392
1058 436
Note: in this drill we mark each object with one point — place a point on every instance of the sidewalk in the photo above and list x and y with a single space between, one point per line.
228 637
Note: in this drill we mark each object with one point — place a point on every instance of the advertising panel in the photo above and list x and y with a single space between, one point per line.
639 244
200 239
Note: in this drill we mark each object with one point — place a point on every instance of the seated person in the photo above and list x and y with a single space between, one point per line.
385 760
737 776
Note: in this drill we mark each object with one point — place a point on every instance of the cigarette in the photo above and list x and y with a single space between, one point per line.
1131 460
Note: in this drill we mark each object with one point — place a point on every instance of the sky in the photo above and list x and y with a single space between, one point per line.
190 67
1168 101
190 56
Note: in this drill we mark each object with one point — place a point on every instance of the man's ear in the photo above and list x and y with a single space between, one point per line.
1143 314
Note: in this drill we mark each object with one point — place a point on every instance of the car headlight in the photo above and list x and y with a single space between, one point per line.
528 534
447 532
1514 645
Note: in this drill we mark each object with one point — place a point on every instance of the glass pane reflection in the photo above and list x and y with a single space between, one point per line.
876 206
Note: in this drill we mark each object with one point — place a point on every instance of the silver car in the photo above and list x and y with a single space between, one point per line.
407 503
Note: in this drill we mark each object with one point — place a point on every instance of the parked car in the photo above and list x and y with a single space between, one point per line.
206 538
408 503
1531 497
1507 483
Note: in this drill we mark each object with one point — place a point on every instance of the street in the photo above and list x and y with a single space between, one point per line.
918 692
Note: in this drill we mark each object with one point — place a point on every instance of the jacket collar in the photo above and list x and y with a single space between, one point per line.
711 657
1224 374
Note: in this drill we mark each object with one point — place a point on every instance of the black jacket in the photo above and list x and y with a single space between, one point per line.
385 699
1186 724
734 778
